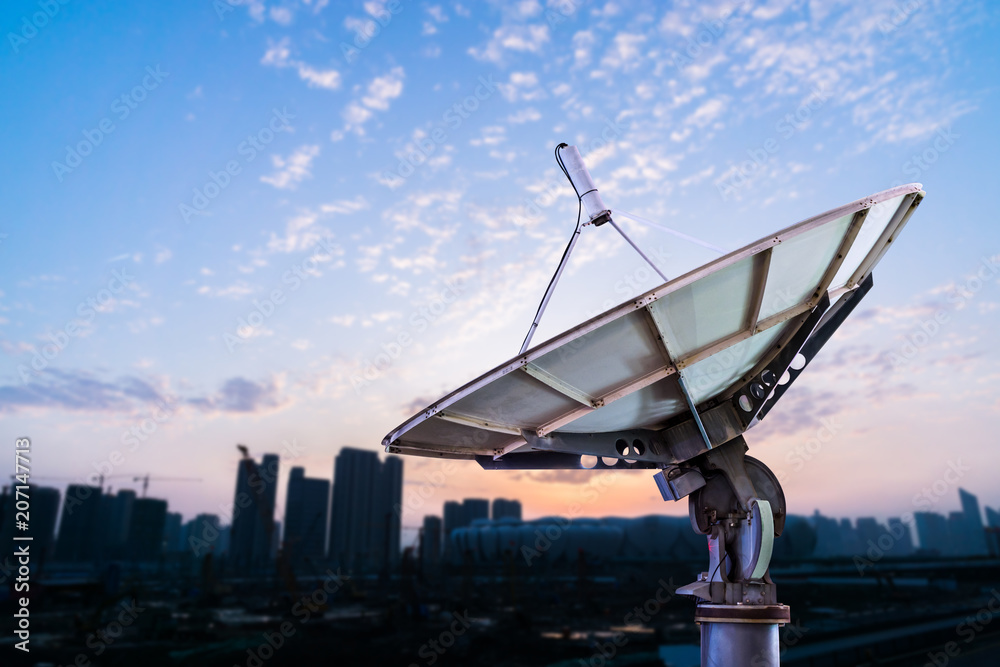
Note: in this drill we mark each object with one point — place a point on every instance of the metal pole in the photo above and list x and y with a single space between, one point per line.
636 248
739 645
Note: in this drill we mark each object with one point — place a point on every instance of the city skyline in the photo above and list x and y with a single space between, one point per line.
143 529
359 222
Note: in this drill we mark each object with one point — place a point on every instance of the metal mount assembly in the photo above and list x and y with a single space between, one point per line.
737 502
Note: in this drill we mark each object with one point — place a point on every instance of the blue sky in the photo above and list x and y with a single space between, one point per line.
218 216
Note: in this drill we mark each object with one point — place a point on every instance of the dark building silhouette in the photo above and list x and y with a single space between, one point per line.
462 514
172 532
868 530
902 538
993 531
365 510
202 535
44 512
306 506
975 534
506 509
932 532
430 542
252 533
146 528
80 528
116 516
475 508
454 517
829 541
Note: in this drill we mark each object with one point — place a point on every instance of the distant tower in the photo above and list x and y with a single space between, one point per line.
365 510
117 517
959 542
829 542
869 531
475 508
146 529
305 516
975 534
44 512
506 509
79 527
253 513
172 533
932 531
430 542
902 538
993 540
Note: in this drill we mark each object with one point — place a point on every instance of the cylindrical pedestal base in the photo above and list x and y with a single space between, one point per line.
740 635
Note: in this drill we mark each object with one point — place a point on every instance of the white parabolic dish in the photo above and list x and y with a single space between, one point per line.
719 327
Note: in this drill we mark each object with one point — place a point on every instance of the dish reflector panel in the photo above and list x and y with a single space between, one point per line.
719 326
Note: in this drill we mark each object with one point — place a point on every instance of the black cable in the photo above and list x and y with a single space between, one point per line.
724 557
579 213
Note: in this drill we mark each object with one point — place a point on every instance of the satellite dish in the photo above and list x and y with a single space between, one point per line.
672 380
723 338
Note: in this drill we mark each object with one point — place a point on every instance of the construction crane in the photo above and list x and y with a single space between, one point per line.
146 478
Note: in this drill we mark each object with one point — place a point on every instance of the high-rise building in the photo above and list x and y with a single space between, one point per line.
430 542
146 529
475 508
116 517
849 538
365 510
993 531
305 516
172 533
869 530
252 531
80 525
974 532
932 532
828 539
902 544
44 512
506 509
202 535
959 539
